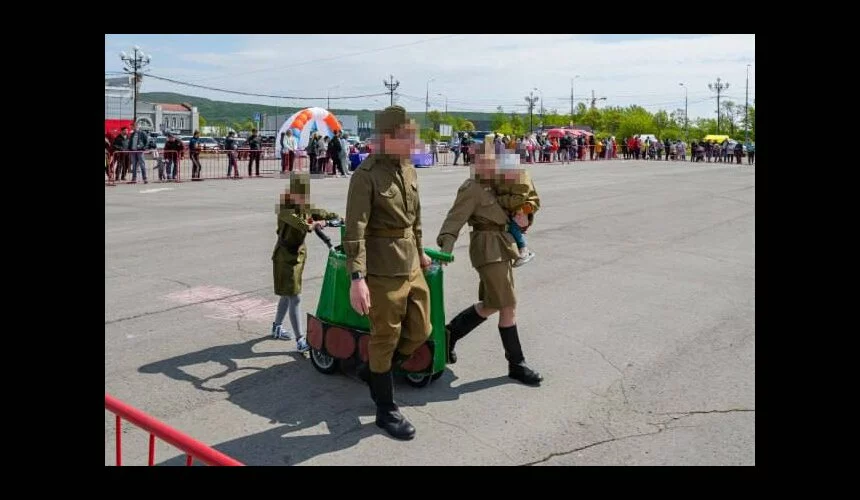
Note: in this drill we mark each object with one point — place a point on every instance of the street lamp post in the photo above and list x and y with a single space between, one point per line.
747 109
686 121
446 103
133 64
427 102
571 99
531 99
541 106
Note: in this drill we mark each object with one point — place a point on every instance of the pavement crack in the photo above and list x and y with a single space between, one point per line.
160 311
683 414
620 372
591 445
661 426
186 285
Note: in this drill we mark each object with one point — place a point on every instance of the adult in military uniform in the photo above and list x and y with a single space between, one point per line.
385 257
491 250
288 257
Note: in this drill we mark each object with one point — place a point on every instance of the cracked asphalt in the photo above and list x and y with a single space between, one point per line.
639 310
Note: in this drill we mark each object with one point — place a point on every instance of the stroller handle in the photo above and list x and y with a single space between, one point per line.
439 255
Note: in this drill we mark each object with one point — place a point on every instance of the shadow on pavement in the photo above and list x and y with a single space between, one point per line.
296 398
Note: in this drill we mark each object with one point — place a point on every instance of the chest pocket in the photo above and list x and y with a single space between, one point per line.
412 193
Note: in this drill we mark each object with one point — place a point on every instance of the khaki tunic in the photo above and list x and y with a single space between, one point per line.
491 246
288 257
383 241
383 218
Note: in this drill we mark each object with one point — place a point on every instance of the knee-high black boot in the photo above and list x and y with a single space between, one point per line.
517 368
364 370
388 416
459 327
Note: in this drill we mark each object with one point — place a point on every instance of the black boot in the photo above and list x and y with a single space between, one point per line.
517 368
459 327
363 370
388 416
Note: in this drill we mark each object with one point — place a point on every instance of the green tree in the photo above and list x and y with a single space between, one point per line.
201 120
661 122
517 125
428 134
468 126
635 122
612 119
729 113
499 119
553 119
593 119
435 119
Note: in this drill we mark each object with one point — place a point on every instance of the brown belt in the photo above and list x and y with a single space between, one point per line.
405 232
489 227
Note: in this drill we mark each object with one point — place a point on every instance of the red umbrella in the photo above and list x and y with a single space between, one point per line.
556 133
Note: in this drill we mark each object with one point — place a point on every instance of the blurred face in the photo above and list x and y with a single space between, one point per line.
484 167
402 142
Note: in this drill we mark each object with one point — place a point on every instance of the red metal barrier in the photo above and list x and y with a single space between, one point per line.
191 447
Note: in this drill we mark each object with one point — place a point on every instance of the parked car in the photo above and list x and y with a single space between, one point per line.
208 144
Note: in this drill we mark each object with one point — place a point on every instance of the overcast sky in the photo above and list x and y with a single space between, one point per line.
476 72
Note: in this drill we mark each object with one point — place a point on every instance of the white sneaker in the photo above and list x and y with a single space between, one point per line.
524 259
278 333
302 345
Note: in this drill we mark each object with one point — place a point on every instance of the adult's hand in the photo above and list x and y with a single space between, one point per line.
359 297
425 260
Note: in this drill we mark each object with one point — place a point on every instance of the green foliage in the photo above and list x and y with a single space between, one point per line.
614 121
428 134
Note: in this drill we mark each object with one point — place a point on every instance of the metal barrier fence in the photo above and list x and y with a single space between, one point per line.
192 448
159 166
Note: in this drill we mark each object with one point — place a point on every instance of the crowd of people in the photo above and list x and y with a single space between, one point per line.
542 148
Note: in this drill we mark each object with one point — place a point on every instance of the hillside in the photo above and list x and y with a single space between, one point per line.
230 112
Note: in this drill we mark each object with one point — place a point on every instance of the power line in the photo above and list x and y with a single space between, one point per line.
252 94
290 66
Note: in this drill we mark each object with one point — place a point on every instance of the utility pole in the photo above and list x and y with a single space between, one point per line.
571 99
718 87
427 103
747 109
686 121
595 99
391 85
531 100
133 64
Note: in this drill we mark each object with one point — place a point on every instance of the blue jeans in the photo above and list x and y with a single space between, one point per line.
517 233
137 158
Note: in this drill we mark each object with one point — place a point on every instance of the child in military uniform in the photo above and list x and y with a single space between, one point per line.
296 219
513 193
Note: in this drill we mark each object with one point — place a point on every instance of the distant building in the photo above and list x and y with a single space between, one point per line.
182 119
152 117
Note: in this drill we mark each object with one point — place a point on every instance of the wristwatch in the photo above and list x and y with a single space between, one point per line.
357 276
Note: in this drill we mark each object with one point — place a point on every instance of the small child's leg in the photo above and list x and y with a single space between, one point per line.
517 233
525 254
296 321
278 331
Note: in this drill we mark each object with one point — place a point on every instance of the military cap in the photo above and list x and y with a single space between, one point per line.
300 183
390 118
